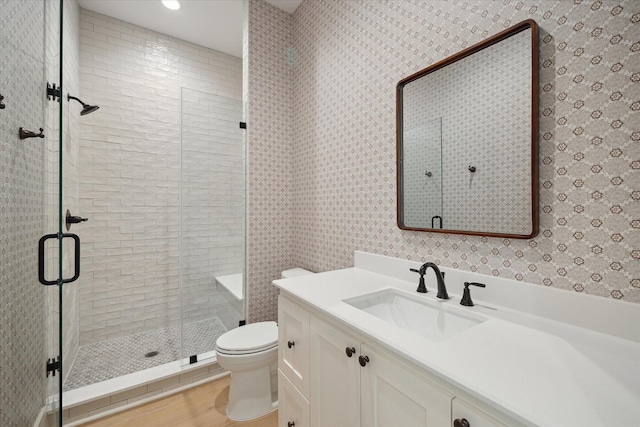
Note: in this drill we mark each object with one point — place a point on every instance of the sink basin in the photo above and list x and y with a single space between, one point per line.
434 320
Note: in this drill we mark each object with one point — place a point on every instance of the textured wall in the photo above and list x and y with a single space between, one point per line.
349 57
130 170
270 156
22 213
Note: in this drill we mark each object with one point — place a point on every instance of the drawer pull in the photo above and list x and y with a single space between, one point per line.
291 424
363 360
461 422
290 344
350 351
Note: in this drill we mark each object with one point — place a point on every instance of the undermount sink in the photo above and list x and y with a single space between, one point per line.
434 320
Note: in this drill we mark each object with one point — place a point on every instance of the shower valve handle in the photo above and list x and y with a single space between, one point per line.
72 219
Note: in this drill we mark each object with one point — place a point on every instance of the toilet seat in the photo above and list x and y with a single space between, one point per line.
249 339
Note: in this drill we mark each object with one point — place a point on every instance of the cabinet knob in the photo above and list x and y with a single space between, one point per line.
461 422
350 351
291 424
290 344
363 360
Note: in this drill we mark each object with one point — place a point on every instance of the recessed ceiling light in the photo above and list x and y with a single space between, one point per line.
171 4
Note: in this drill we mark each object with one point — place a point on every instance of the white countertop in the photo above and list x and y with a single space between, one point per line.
538 371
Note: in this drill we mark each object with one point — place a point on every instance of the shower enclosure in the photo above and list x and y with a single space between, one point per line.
166 226
157 172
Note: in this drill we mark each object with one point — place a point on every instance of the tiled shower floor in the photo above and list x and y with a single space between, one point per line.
111 359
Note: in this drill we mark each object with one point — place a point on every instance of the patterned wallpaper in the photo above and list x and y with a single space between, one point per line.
22 219
270 176
349 55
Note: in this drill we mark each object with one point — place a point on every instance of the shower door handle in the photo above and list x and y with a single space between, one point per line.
41 260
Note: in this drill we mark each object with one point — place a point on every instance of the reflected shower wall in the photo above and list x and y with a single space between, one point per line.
422 180
213 208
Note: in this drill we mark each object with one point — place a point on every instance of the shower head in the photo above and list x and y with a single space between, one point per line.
86 108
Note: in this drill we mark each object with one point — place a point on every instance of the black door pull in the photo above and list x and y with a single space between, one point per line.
41 266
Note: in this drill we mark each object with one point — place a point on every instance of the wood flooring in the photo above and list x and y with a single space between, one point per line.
202 406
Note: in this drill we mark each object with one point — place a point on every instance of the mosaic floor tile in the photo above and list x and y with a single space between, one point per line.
111 359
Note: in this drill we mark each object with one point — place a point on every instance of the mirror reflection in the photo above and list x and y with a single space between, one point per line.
467 140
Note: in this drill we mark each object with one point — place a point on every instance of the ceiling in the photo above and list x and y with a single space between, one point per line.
216 24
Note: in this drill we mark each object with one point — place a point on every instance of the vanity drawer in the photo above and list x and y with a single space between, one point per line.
293 344
293 408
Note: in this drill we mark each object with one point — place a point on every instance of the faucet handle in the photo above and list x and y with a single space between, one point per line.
466 295
421 287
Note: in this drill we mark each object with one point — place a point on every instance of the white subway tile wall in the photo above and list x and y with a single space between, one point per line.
130 171
70 180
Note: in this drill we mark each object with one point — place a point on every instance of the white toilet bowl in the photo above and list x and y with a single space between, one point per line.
251 354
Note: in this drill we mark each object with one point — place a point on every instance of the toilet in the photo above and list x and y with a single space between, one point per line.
250 353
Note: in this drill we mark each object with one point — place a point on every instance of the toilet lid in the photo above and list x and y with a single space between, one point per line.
250 338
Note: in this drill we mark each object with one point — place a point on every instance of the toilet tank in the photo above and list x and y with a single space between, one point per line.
295 272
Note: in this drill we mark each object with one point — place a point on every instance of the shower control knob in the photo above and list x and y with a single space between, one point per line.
76 219
291 424
290 344
71 219
350 351
461 423
363 360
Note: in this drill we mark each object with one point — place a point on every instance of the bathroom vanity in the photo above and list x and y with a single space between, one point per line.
359 347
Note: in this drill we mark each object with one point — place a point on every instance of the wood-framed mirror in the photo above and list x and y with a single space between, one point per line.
467 140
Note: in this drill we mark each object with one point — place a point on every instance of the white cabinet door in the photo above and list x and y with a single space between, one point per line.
393 395
293 343
335 377
475 417
293 408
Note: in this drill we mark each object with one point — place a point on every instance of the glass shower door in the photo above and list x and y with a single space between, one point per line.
212 219
50 250
59 247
